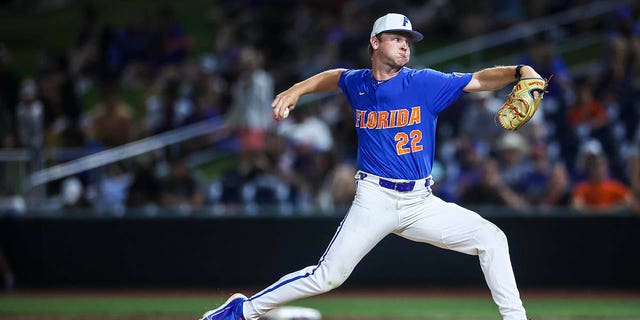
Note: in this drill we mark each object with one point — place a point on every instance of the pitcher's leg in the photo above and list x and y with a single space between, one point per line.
453 227
493 252
358 233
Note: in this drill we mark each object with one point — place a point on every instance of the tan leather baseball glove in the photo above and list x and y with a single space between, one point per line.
521 103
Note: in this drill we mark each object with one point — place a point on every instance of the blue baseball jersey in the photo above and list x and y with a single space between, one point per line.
396 119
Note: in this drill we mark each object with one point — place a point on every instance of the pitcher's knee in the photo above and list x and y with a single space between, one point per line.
338 277
334 278
491 237
337 281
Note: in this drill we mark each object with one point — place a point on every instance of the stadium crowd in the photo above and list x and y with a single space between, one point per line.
582 149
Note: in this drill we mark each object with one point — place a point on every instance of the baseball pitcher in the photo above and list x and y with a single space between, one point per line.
395 110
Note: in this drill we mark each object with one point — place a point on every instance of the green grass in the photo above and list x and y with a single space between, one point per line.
112 306
331 306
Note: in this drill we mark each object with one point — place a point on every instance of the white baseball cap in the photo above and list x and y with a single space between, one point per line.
395 22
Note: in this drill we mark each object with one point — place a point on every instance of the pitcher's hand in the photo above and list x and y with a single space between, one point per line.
284 103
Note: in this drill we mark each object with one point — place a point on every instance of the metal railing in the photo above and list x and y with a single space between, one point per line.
126 151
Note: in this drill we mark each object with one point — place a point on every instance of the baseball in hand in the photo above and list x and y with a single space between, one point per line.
285 113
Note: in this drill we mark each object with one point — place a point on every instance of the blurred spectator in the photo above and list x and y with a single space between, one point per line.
75 137
30 119
206 96
513 162
266 178
535 179
179 190
508 13
11 203
631 110
113 188
588 151
466 170
270 176
474 21
557 192
9 88
144 191
30 122
225 46
443 186
615 62
478 115
545 183
72 193
57 93
305 130
598 193
253 93
207 106
339 116
167 106
634 168
228 189
133 43
615 130
172 45
588 115
491 190
314 170
339 188
620 53
541 55
313 158
621 65
86 56
111 122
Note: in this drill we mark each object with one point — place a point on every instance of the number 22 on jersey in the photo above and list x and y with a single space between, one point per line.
406 143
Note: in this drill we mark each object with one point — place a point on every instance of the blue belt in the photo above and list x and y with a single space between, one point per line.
397 186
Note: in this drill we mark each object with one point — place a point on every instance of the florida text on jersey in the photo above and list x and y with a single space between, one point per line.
396 119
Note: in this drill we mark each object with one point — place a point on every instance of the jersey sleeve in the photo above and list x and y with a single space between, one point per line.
343 81
443 89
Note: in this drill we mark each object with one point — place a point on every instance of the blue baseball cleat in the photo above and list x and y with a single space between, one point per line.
230 310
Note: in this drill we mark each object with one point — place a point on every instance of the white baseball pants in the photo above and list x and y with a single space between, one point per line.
416 215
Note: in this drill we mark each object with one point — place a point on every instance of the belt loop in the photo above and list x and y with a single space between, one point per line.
362 175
